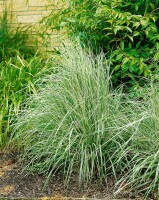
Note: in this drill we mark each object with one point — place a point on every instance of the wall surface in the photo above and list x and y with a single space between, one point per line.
1 5
28 12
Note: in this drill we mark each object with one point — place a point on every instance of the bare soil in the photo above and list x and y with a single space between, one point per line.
15 185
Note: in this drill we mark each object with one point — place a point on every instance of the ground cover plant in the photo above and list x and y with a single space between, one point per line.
77 123
126 30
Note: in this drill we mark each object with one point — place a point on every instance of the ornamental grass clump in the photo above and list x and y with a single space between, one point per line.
143 149
76 122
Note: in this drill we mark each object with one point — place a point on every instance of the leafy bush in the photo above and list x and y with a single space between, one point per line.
127 30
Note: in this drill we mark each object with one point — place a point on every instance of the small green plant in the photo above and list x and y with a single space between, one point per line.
18 78
20 67
126 30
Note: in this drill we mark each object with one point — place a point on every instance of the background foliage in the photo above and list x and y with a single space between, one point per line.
18 78
13 39
125 29
20 68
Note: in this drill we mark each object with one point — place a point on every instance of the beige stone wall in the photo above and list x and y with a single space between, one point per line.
31 12
1 5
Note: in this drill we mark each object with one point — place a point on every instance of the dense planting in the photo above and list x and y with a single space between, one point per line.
13 39
78 118
18 79
126 30
20 69
78 124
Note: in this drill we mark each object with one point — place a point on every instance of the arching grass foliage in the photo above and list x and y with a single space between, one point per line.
77 123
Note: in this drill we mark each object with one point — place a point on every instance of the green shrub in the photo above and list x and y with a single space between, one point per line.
126 30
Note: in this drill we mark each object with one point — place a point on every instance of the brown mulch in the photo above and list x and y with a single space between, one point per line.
14 184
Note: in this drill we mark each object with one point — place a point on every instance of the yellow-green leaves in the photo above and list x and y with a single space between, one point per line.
156 56
17 81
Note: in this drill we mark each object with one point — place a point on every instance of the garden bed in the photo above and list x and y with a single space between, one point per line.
15 185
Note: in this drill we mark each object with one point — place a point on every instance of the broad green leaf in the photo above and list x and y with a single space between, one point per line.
157 45
153 18
136 7
140 71
138 44
115 30
125 60
130 45
130 37
117 67
122 45
125 68
152 5
129 29
136 24
110 21
133 68
156 56
136 33
143 22
119 57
